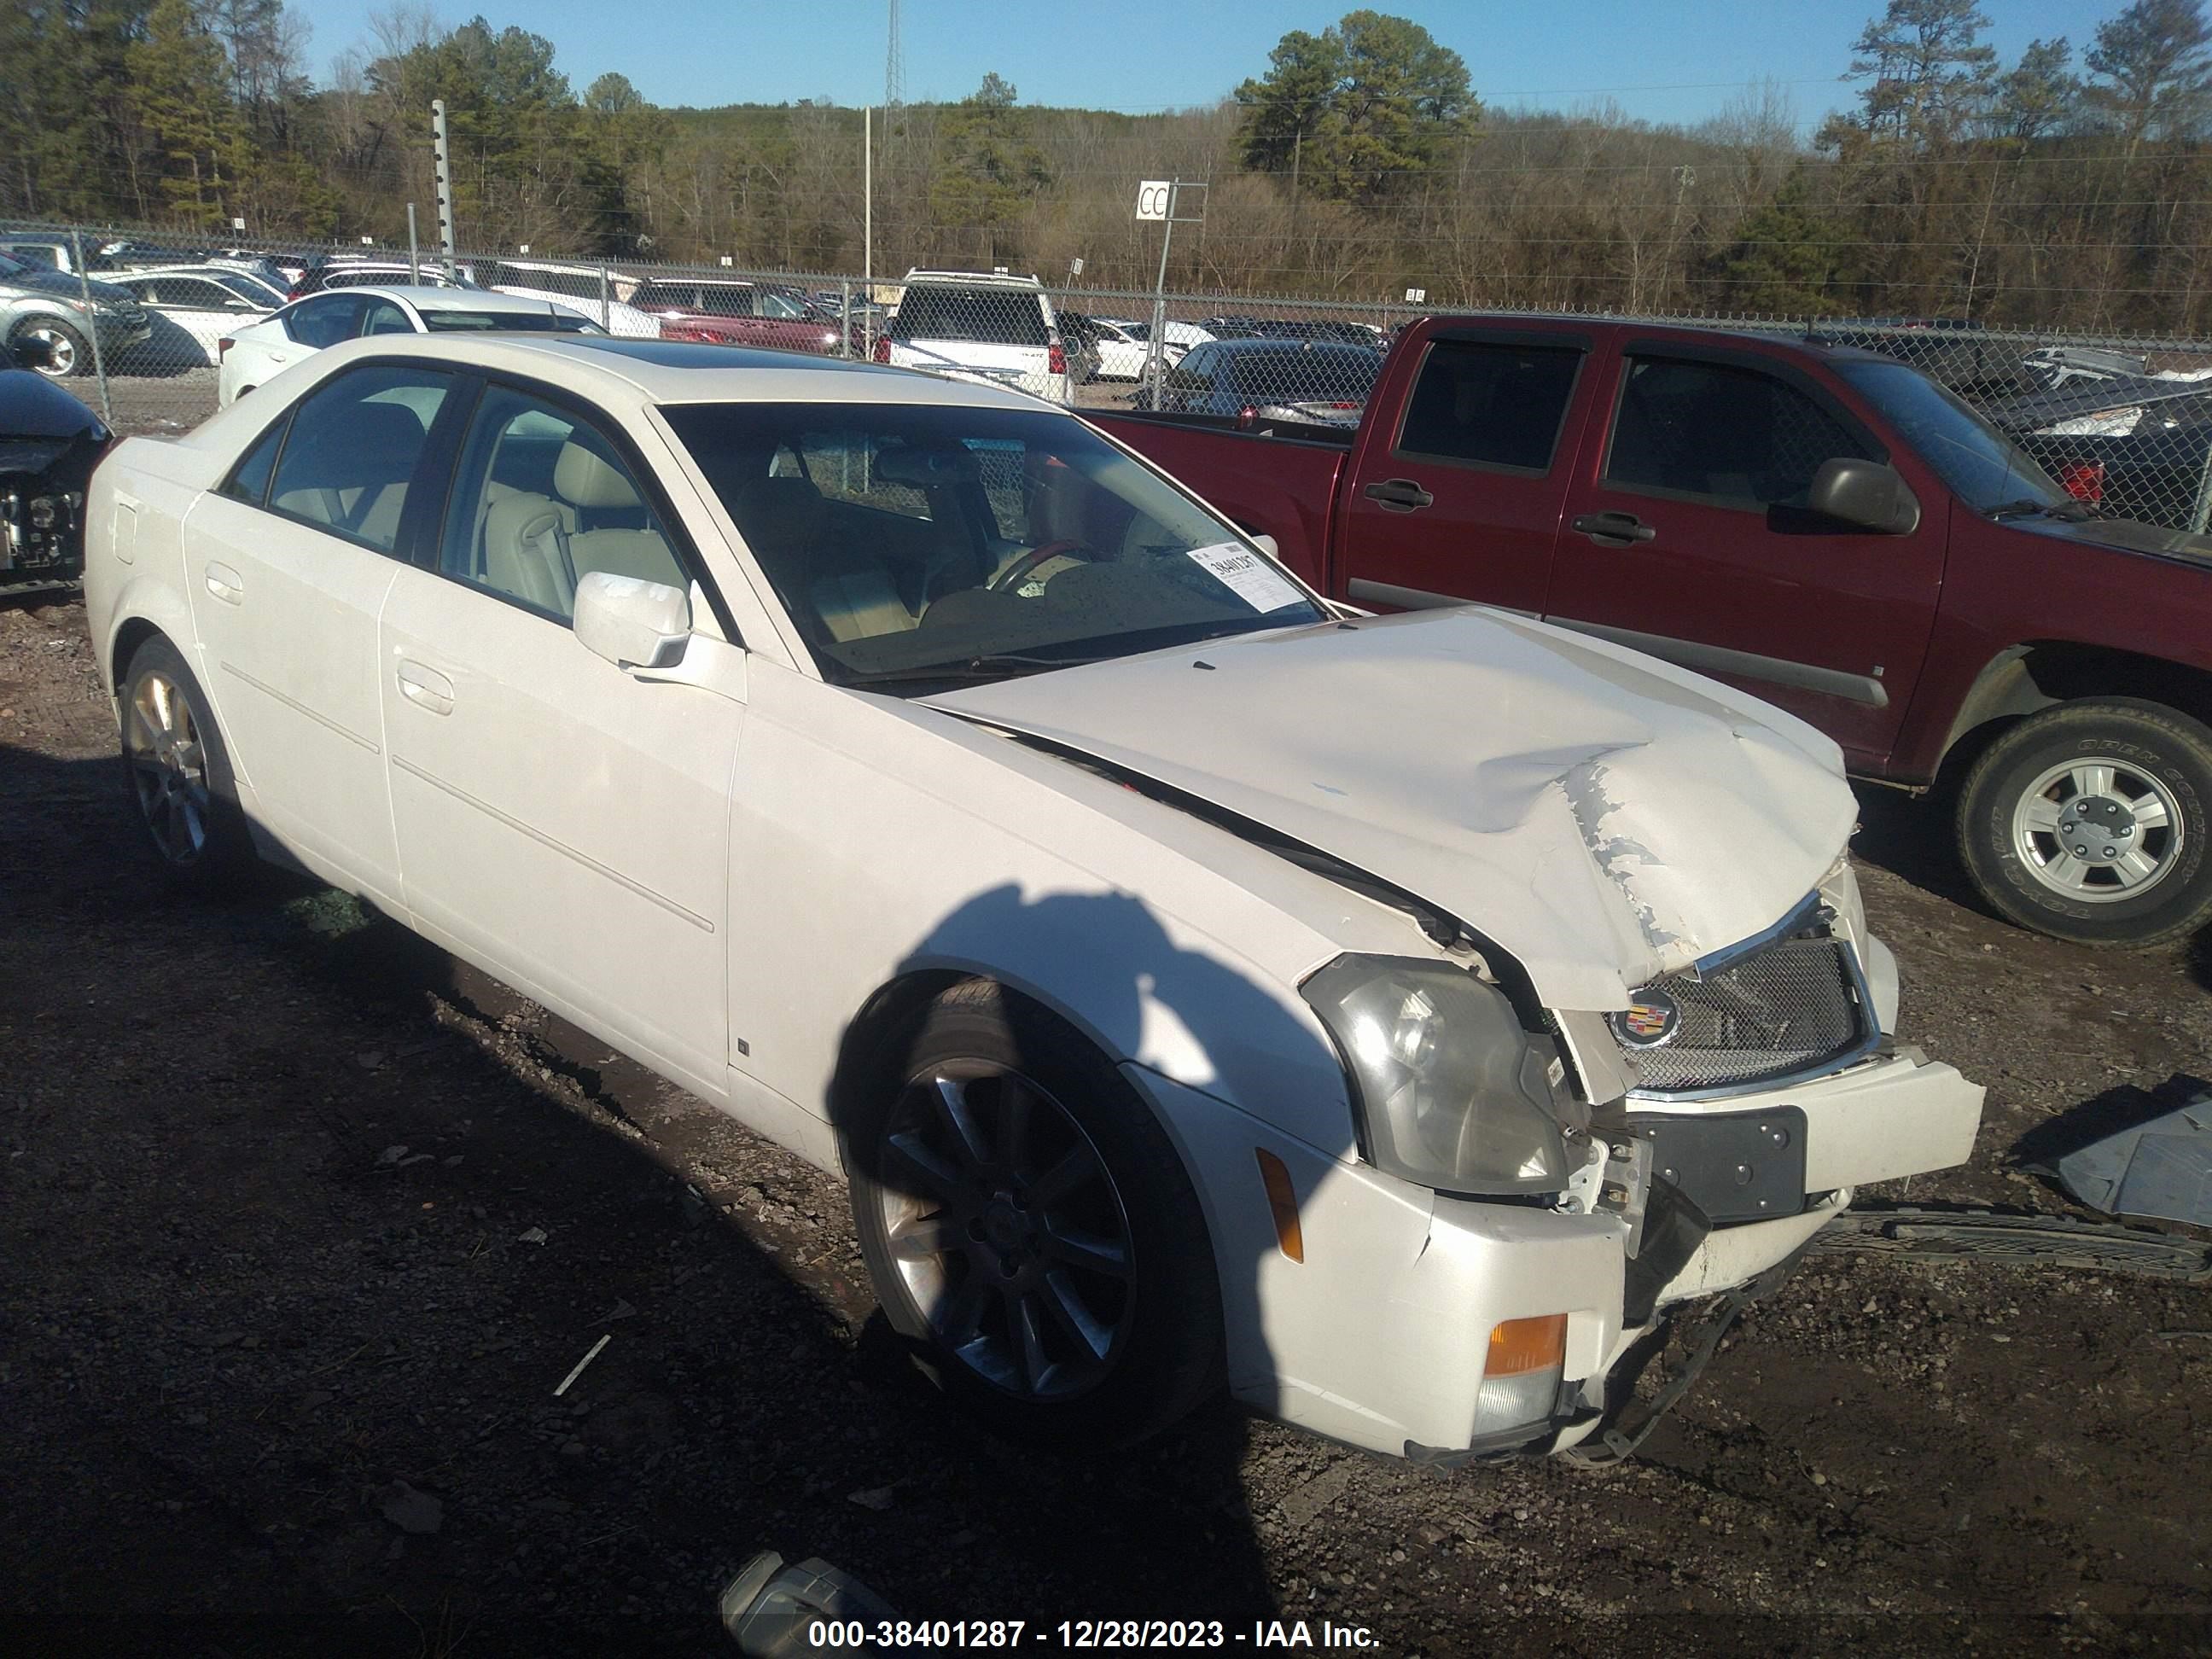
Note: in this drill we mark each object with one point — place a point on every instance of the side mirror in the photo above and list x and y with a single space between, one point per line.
31 352
1866 495
1267 544
632 623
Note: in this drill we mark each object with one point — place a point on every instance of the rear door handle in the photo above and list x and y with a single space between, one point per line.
225 583
426 687
1398 496
1613 529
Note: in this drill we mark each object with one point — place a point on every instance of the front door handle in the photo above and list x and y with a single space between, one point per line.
1398 496
1613 529
426 687
225 583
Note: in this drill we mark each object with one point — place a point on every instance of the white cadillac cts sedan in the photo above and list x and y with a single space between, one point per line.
1395 1020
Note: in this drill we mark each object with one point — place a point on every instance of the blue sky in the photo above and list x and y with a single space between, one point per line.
1662 62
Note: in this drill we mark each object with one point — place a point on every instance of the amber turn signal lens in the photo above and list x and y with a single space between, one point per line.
1283 1199
1521 1345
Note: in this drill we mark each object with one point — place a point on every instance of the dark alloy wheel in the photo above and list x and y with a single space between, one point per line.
2089 822
1029 1228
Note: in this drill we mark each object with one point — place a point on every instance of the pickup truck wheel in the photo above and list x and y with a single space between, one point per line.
2091 822
179 773
1028 1226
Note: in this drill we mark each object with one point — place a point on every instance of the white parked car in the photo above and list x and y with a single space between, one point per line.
192 307
577 286
249 356
1125 345
1391 1019
981 324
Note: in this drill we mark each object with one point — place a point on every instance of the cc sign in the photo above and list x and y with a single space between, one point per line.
1153 197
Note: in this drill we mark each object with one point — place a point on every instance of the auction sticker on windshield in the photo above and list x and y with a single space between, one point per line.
1247 576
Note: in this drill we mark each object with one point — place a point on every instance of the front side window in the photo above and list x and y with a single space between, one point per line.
1492 402
355 442
542 499
1038 545
1730 434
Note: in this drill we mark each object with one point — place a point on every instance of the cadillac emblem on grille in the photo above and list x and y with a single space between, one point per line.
1647 1022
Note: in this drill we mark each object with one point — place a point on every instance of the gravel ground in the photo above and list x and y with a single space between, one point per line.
303 1224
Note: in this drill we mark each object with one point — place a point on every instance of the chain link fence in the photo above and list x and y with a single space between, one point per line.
137 324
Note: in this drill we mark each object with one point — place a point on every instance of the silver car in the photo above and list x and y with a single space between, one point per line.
65 314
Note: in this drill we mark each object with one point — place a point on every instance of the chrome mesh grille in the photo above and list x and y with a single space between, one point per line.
1788 1008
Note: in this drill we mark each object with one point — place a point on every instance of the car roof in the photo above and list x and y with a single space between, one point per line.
623 372
424 297
976 278
1281 346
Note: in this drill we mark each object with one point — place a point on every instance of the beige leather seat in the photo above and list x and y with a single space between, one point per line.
352 475
533 549
828 588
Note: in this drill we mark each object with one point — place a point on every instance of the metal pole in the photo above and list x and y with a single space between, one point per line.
439 154
1160 300
414 249
845 316
92 325
2202 513
868 220
604 322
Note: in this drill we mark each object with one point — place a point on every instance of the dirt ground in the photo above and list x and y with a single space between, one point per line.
301 1225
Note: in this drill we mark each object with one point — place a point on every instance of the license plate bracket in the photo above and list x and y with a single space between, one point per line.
1735 1166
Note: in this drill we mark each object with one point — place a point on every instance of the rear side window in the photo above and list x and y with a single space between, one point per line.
992 316
1729 434
249 479
1494 403
325 321
353 451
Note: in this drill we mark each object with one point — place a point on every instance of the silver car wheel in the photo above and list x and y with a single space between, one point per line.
2097 831
1007 1229
61 350
168 767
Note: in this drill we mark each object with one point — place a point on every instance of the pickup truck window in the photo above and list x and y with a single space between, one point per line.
1722 433
1987 469
1498 404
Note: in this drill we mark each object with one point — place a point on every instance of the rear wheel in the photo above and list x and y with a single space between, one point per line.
2090 822
179 773
1029 1228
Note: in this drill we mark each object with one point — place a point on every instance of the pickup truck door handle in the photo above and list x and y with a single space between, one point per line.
426 687
1613 529
225 583
1398 496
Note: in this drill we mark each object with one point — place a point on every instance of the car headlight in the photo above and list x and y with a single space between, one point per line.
1449 1091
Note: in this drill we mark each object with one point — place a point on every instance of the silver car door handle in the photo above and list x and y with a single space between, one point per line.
426 687
225 584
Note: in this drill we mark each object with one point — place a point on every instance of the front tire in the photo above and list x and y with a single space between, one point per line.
179 773
2091 822
1029 1228
68 352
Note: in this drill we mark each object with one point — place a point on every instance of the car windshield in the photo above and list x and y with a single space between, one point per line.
519 322
245 287
11 266
1986 468
916 544
994 316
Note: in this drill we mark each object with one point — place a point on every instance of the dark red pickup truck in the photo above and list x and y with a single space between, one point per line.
1822 526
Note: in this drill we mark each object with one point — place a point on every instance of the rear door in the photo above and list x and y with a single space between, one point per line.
1460 499
1687 538
286 567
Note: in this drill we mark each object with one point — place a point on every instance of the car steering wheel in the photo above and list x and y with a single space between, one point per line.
1015 573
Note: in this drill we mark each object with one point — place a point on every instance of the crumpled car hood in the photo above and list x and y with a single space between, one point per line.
1605 817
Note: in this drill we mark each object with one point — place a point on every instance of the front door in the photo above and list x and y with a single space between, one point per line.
560 821
286 567
1485 442
1687 538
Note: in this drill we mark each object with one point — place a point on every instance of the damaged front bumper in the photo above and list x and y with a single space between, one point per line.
1381 1334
